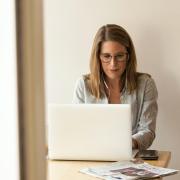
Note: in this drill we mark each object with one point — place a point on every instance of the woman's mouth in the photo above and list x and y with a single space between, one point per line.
114 70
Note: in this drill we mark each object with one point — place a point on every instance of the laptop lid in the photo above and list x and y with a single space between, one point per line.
89 132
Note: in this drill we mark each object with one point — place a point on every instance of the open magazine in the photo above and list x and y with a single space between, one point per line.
128 170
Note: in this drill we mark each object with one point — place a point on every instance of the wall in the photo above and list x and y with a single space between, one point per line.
70 27
9 164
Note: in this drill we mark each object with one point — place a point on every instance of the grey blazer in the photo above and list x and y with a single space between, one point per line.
143 103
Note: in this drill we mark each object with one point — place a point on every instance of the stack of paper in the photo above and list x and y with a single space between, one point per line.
128 170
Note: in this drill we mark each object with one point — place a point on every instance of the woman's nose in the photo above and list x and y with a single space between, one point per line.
113 62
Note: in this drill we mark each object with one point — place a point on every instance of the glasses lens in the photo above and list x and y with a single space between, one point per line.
105 57
121 57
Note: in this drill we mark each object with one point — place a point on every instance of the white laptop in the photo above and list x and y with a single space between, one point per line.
100 132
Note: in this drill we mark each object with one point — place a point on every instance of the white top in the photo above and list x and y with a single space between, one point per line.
143 103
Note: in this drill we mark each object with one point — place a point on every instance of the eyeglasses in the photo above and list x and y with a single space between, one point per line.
121 57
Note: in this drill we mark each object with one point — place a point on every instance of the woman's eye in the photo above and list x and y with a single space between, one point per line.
107 56
120 56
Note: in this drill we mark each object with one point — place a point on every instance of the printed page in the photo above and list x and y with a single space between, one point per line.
129 170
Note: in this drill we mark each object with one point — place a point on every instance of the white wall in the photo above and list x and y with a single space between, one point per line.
9 161
154 26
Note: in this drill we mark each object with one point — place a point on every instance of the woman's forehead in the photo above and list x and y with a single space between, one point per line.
112 46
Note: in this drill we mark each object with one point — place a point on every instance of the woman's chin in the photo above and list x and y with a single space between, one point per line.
113 77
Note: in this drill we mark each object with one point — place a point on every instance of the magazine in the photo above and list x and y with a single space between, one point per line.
128 170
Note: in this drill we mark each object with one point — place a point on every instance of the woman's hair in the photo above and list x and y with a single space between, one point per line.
111 32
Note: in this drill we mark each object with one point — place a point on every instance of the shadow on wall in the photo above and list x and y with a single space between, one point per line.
158 50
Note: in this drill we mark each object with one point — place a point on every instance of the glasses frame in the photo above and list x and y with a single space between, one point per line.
115 57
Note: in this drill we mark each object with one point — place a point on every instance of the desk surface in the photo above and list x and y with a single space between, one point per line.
68 170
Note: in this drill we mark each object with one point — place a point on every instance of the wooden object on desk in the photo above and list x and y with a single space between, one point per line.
69 170
163 160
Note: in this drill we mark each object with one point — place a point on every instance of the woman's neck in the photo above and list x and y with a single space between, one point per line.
113 91
113 84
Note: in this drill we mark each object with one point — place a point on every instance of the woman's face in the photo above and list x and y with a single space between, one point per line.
113 57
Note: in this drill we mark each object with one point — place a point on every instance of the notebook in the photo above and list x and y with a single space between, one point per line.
97 132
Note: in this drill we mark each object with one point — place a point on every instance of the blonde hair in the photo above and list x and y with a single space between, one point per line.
111 32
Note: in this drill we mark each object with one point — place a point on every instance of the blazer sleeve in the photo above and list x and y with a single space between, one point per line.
147 122
78 95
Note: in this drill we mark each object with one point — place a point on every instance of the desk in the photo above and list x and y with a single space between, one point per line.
69 170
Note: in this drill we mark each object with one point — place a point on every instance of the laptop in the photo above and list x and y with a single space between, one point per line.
96 132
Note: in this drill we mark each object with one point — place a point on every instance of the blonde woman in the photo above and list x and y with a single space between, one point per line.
113 79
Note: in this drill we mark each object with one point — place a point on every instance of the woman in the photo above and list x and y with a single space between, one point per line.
113 79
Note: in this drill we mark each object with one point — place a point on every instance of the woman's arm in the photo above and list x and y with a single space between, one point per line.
147 123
